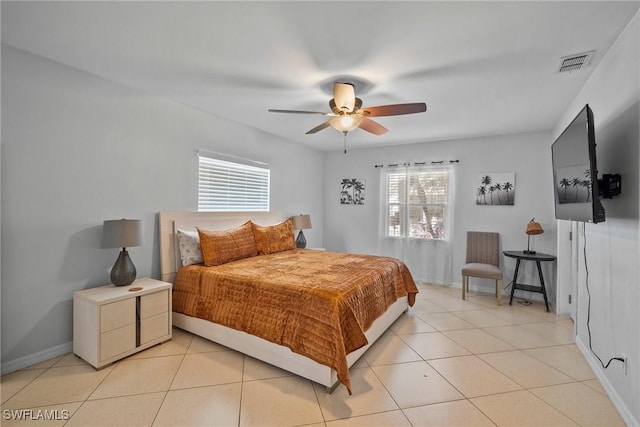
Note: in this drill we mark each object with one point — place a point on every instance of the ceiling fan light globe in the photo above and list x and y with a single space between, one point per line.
345 123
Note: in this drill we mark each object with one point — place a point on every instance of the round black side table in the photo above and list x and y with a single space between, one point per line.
538 258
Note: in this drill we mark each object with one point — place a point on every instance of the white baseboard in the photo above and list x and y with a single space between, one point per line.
32 359
617 401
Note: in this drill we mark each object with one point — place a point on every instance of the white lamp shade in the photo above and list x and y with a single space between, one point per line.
301 222
122 233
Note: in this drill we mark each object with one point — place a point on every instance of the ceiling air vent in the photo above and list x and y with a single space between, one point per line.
575 62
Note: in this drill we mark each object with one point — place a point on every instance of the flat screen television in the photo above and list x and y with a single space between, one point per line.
575 171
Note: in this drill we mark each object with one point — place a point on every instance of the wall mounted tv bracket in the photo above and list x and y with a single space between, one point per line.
610 185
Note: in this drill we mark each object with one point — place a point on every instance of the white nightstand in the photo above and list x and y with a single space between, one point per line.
112 322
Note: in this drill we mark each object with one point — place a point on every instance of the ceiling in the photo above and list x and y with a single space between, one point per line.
483 68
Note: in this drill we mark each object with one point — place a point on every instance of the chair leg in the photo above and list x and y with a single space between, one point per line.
464 286
499 291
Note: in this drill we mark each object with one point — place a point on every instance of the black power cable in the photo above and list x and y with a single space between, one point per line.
519 300
586 269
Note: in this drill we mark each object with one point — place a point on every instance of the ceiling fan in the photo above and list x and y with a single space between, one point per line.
347 112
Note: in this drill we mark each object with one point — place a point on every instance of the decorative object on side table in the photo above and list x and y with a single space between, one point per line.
122 233
301 222
533 228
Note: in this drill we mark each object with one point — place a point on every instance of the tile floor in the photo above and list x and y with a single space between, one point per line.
447 362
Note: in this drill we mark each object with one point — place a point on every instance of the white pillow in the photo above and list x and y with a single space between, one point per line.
189 242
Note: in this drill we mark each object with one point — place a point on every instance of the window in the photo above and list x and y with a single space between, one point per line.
416 203
232 184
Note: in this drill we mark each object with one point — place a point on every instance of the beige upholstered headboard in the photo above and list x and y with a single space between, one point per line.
184 220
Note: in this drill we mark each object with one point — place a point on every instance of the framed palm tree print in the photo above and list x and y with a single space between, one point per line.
352 191
496 188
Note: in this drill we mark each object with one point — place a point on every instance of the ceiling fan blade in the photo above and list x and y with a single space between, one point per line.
298 112
319 127
344 96
394 109
371 126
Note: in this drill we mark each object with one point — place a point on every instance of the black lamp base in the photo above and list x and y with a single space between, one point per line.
528 251
123 272
301 241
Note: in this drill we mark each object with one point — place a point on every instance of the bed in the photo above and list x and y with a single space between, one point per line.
310 312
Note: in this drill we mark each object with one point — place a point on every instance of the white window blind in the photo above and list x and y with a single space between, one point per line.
225 185
417 201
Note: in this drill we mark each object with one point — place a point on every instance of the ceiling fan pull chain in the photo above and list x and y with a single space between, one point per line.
345 142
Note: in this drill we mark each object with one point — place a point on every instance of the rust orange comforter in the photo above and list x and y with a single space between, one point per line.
317 303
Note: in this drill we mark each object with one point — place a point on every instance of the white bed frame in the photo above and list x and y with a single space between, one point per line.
243 342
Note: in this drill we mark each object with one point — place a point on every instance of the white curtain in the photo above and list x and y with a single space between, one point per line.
416 214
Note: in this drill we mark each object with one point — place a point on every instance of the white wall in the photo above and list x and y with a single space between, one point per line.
355 228
77 150
613 249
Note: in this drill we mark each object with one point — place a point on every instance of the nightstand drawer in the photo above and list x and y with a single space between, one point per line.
155 303
117 341
154 327
117 314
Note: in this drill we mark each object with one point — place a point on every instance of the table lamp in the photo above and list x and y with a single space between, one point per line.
301 222
122 233
533 228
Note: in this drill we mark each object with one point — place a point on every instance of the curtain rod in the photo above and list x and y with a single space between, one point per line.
432 163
